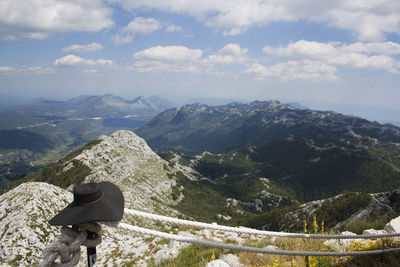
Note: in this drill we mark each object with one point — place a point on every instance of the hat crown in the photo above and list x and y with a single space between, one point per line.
93 202
87 194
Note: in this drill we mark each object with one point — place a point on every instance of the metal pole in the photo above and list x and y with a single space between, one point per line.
91 252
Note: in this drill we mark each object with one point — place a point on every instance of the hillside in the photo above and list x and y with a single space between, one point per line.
122 158
196 128
149 183
44 131
304 154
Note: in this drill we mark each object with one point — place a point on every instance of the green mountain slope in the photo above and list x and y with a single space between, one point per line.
193 129
304 154
298 170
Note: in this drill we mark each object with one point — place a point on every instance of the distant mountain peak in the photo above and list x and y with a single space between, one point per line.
125 159
143 102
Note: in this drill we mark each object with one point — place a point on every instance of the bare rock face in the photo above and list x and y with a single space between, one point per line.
126 160
24 212
123 159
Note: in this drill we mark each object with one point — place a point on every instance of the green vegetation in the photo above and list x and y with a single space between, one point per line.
54 174
21 139
286 164
340 208
193 255
201 201
299 171
359 226
272 220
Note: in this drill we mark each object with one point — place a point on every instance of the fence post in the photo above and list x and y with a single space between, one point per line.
307 262
91 252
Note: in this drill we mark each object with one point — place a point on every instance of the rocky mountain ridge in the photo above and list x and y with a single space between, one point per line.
311 154
197 128
122 158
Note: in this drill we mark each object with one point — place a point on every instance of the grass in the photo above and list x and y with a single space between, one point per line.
195 255
359 226
192 255
387 259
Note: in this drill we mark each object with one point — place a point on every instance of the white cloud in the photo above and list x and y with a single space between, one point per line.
173 28
143 25
37 19
367 23
234 31
169 53
93 47
26 70
120 39
358 55
363 61
368 20
72 60
294 70
139 25
302 48
229 54
383 48
161 66
173 59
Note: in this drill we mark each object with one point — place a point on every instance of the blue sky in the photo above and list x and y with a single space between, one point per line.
310 51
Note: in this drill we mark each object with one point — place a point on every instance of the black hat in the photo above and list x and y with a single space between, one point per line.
93 202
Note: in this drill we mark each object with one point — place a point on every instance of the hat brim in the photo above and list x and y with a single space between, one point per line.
109 209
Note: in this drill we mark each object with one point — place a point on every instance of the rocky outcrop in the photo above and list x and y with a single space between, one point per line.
393 226
24 213
126 160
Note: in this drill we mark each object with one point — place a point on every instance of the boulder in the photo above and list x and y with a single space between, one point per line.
271 247
217 263
168 251
393 226
374 232
340 244
232 260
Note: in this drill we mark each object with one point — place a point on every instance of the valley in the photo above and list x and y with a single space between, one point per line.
43 131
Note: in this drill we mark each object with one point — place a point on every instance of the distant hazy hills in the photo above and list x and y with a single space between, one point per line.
43 130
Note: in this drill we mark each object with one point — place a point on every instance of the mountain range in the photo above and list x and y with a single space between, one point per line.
307 154
43 131
219 129
264 165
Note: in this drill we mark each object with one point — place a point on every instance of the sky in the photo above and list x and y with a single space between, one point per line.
336 53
